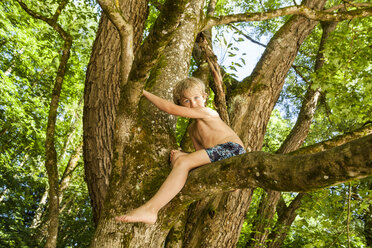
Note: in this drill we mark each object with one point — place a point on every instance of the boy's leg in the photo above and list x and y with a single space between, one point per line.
174 183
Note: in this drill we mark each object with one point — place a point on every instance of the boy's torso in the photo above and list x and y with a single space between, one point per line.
209 132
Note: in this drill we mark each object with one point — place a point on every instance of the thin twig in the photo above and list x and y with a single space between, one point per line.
246 36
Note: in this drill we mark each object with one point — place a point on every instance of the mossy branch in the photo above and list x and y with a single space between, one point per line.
323 15
294 173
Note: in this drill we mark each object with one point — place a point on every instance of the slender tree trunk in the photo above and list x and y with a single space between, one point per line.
286 216
51 154
74 126
39 221
50 150
70 168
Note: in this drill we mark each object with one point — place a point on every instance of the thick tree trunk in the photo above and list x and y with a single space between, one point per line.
287 215
217 216
252 101
101 97
147 149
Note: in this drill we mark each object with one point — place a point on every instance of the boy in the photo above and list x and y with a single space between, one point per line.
212 138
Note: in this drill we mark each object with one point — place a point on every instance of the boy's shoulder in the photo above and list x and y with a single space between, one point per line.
212 112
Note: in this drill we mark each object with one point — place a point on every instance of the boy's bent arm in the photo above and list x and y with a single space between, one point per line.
174 109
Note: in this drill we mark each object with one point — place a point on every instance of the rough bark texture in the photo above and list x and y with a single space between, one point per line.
140 176
217 82
336 141
101 97
290 173
253 100
206 217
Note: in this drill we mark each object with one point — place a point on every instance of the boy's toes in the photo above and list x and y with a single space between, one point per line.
172 154
120 218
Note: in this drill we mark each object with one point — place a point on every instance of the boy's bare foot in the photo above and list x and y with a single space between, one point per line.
140 214
175 154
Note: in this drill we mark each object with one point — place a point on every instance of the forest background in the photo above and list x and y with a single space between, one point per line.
45 48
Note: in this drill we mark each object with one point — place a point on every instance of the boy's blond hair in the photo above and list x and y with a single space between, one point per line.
186 84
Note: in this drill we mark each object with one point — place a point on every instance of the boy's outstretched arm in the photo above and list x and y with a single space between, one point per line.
174 109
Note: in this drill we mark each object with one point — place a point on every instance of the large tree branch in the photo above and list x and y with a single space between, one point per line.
324 15
217 84
151 50
296 173
126 32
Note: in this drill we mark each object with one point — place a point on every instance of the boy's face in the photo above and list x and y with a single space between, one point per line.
193 98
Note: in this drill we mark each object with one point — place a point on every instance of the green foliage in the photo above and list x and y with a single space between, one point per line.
277 130
29 58
322 218
346 75
251 215
76 223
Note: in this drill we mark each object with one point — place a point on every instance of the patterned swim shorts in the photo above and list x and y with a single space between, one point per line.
223 151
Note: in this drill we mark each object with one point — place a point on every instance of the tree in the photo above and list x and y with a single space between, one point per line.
30 68
134 138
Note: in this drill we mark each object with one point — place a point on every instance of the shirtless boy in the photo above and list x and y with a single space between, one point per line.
212 138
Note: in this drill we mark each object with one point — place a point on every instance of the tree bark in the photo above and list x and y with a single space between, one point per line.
143 136
101 97
252 101
217 82
215 216
140 176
